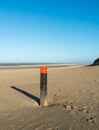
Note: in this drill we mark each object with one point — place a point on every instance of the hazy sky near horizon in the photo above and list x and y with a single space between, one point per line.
49 30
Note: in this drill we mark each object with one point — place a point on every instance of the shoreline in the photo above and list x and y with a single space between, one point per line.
38 66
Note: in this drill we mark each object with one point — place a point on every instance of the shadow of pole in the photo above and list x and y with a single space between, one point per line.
27 94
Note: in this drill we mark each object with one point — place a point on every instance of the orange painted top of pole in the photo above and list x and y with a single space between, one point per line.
43 69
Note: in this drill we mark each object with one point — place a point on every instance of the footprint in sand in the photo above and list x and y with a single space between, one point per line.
90 119
68 106
84 109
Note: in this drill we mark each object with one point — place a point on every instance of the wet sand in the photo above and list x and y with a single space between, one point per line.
73 96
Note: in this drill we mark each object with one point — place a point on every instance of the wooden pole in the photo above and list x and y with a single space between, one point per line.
43 86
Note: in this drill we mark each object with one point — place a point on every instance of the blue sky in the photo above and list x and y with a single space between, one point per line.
49 30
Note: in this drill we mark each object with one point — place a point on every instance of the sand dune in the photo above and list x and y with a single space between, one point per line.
73 96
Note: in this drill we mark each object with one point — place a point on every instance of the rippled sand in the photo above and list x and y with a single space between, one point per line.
73 96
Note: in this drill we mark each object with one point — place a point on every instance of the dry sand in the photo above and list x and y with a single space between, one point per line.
73 95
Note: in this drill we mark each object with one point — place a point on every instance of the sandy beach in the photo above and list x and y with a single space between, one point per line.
73 96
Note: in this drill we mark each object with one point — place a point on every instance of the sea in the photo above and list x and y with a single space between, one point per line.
17 64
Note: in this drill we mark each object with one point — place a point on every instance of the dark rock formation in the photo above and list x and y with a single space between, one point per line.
96 62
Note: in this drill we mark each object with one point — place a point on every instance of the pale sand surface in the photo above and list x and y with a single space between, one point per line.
73 95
